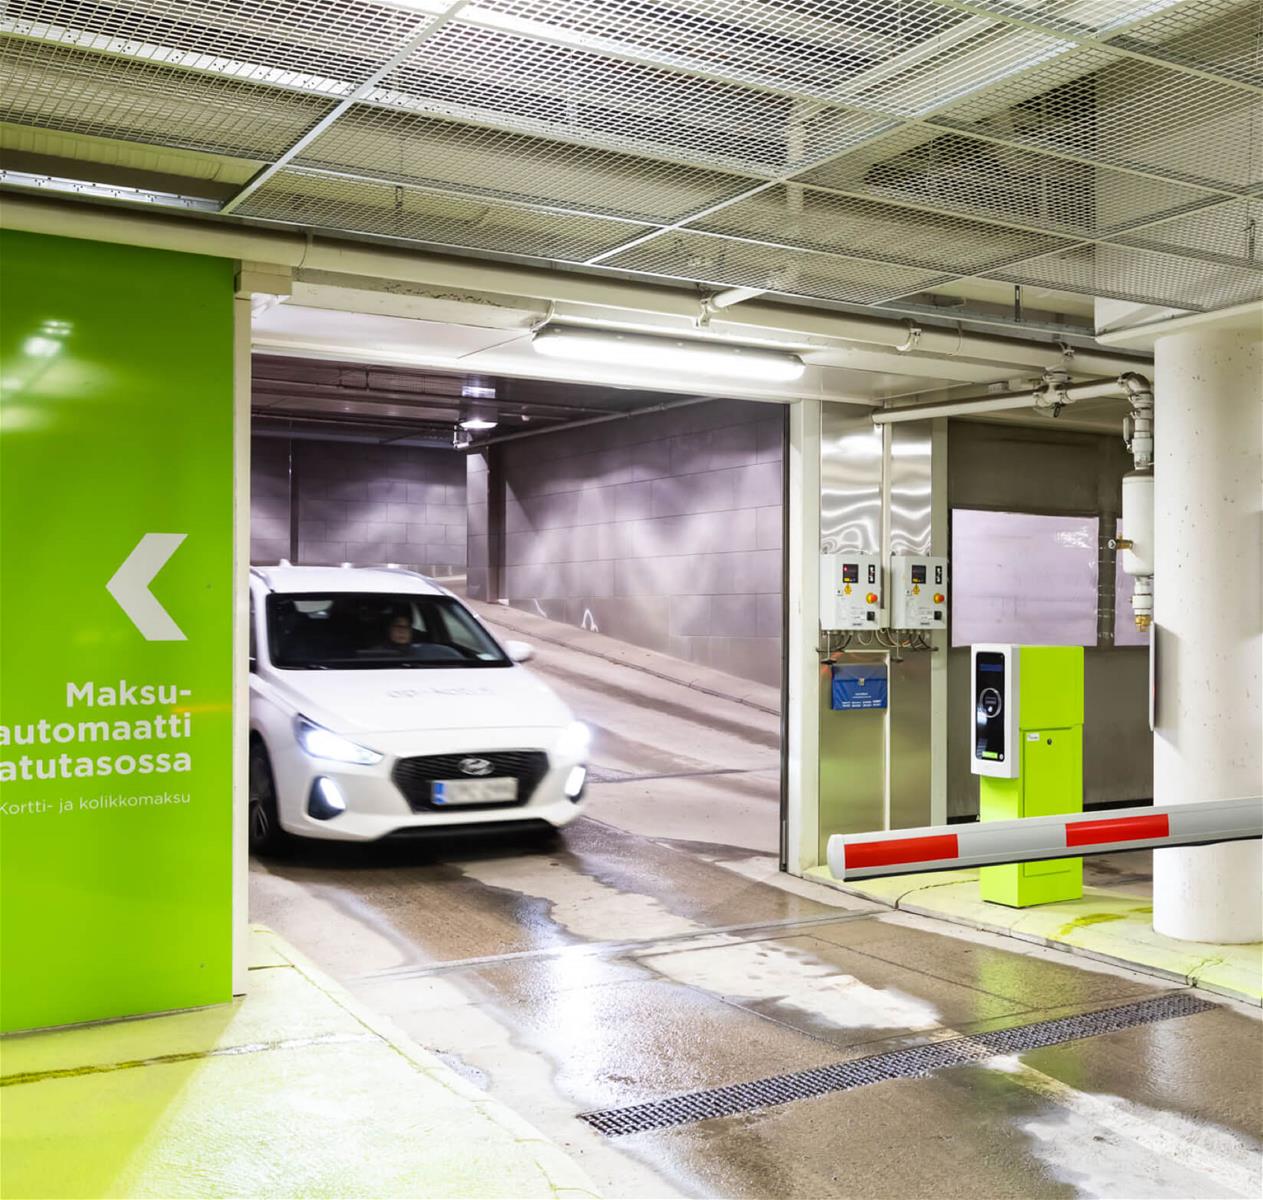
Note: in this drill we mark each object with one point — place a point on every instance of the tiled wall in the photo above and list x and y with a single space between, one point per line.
360 503
662 530
269 499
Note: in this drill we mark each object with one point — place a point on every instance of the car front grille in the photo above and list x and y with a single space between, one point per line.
413 776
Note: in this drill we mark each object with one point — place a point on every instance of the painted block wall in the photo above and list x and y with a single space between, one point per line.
359 503
1013 469
116 428
269 499
662 530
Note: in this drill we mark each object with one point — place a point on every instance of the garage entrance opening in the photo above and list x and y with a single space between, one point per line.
629 542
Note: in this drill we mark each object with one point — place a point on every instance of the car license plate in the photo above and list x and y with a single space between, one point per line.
473 791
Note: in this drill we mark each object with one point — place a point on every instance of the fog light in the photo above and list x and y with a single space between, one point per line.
326 800
574 782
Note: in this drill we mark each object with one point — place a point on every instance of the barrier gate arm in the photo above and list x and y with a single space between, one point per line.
1032 839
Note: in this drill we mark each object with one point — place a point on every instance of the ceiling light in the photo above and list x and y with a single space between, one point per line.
477 423
611 348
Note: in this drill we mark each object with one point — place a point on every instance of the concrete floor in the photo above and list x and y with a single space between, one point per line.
656 950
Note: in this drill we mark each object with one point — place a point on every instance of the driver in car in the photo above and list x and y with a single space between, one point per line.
399 634
399 642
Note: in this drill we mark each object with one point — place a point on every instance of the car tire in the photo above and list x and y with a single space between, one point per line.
266 835
545 837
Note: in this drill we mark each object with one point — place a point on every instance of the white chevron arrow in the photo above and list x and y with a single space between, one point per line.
130 587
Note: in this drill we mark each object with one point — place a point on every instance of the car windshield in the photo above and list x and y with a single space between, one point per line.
354 631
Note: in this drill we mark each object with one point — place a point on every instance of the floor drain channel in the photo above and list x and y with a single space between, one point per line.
908 1063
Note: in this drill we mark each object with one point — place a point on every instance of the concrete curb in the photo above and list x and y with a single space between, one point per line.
1196 970
710 682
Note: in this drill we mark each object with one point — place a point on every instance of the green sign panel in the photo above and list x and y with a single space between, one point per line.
116 559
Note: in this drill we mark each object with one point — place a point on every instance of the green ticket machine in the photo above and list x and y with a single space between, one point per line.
1028 754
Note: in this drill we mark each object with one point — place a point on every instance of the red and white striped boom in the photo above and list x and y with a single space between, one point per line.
1030 839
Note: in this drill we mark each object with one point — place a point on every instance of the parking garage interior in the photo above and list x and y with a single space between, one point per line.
681 345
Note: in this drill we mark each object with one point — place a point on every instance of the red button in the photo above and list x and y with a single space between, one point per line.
939 597
871 597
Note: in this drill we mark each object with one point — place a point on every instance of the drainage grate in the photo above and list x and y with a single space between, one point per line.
908 1063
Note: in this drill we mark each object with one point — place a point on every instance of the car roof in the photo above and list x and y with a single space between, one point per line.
286 578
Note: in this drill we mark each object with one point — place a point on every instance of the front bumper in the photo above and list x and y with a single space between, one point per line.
375 806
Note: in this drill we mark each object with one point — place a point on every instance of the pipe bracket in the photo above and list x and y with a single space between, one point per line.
914 337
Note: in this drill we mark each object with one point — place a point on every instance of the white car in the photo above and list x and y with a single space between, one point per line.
380 706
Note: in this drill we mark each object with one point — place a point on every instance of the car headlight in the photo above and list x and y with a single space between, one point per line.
574 741
320 742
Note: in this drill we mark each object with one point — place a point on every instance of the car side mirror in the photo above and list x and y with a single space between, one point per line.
520 652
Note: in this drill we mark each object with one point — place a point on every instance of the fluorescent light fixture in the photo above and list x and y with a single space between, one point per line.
476 423
84 187
694 356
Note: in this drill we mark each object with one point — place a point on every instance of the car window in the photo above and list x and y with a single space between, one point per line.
349 631
461 628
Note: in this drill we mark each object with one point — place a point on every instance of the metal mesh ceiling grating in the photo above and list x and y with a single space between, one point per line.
553 90
847 150
79 91
1147 276
301 197
471 159
729 262
970 177
329 48
1126 114
891 57
1232 231
793 215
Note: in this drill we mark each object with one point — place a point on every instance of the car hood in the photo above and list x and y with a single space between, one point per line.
414 700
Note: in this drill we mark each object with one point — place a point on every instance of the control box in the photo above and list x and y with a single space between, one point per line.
918 592
851 591
1028 748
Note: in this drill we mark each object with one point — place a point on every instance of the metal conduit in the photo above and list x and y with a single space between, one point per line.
294 250
568 425
1051 394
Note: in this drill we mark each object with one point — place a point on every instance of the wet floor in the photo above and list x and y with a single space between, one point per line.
655 951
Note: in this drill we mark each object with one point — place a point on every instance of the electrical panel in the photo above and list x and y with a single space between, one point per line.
851 591
918 592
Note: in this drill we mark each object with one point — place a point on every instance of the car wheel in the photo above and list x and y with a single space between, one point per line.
266 834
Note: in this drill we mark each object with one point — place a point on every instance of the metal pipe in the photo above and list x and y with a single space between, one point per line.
203 235
618 416
735 295
1003 402
299 434
1052 393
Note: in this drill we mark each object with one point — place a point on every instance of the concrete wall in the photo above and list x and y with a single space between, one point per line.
662 530
1014 469
359 503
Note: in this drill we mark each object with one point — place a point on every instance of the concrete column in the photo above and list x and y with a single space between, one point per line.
801 751
1208 601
